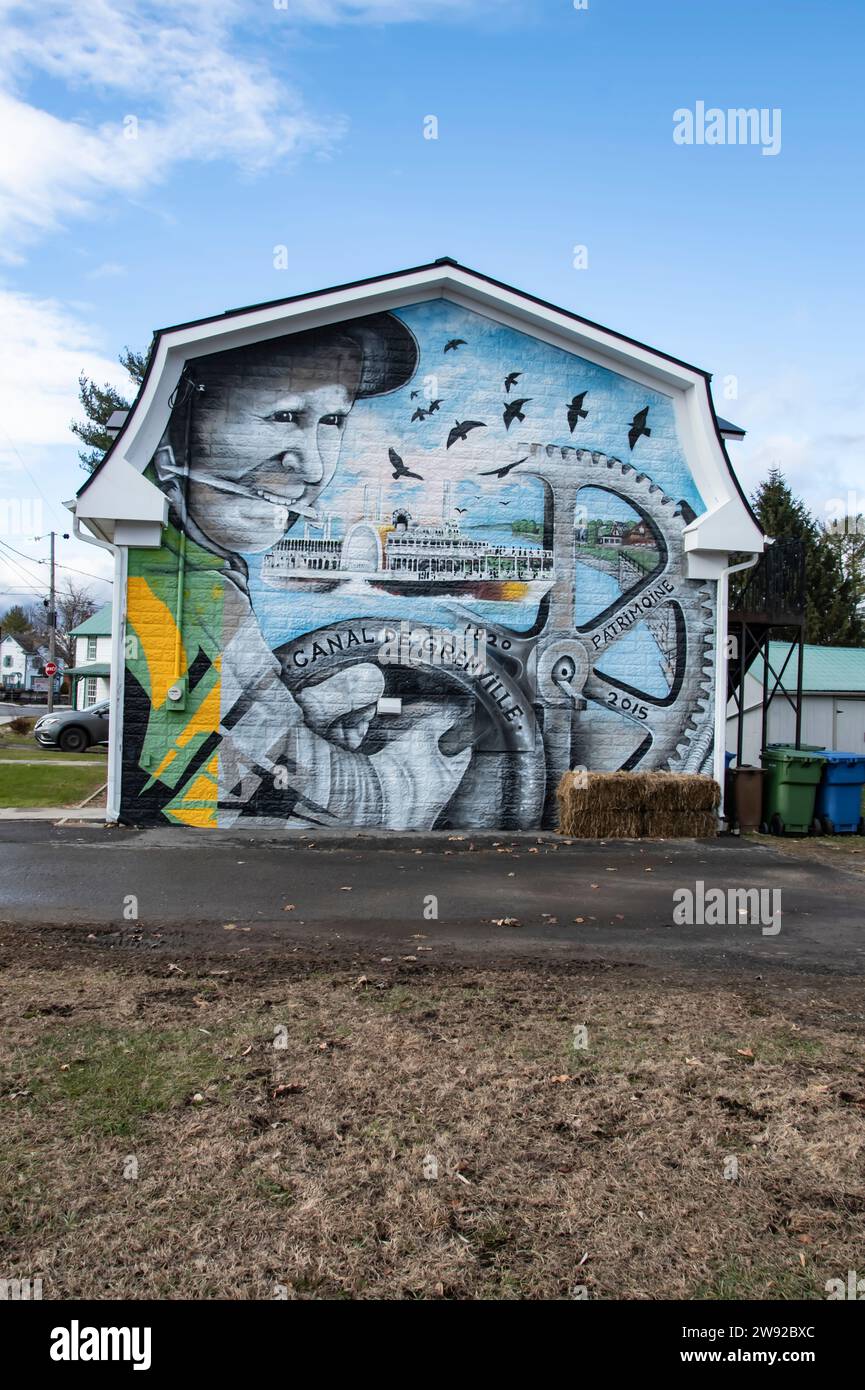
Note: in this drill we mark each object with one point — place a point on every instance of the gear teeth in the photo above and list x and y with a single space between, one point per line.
694 599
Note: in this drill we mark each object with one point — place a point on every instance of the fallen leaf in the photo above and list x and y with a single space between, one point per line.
289 907
288 1088
506 921
744 1052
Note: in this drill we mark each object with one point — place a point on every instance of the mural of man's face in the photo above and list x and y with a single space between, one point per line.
266 441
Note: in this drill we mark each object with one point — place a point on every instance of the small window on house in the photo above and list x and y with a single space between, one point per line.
89 692
91 648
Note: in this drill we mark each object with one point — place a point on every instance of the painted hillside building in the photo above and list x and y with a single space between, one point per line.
398 554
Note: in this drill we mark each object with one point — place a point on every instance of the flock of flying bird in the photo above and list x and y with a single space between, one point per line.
513 410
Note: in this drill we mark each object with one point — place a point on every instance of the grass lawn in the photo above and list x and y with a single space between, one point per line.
48 785
218 1128
23 785
845 851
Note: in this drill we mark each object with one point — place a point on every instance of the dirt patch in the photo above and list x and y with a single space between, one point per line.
390 1129
838 851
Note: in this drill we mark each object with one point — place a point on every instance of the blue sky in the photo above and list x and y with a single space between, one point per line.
302 126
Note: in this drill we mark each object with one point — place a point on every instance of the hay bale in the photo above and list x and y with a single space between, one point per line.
629 805
695 825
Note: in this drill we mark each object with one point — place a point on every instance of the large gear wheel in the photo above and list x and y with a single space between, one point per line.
673 731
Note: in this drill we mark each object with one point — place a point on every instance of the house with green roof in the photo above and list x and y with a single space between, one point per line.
91 673
833 700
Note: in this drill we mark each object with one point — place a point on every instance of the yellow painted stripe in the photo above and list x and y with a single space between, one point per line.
156 630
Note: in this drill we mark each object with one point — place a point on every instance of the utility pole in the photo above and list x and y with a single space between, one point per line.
52 614
52 627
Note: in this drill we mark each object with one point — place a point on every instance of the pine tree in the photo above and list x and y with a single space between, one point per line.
847 538
14 621
98 404
832 596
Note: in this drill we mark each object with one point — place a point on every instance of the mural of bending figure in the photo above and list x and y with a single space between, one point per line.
254 439
332 485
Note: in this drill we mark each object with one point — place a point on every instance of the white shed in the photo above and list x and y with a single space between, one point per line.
833 701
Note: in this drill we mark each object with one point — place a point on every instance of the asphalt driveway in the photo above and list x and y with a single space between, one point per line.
441 895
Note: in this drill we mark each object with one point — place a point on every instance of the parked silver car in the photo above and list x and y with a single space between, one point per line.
73 730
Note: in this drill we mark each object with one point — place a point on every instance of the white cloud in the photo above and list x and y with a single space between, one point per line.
43 347
380 11
108 270
181 89
813 430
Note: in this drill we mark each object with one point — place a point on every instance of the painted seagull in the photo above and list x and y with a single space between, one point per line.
513 411
511 379
461 511
502 472
419 415
414 395
638 426
575 410
453 344
399 468
461 430
433 405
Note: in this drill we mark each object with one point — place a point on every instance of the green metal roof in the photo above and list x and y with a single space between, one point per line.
98 625
96 668
828 669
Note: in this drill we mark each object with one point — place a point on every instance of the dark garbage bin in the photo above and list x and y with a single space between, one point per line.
746 811
790 788
839 795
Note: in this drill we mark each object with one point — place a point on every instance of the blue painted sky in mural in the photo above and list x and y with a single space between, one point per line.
469 381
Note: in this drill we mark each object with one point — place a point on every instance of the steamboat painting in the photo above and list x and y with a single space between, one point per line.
400 556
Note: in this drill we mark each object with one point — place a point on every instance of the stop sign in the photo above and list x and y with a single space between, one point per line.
51 668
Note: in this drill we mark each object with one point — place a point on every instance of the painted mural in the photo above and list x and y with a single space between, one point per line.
419 564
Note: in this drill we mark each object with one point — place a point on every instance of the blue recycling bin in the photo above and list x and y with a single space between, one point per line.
839 795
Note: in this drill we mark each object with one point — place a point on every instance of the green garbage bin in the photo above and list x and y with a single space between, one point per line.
790 788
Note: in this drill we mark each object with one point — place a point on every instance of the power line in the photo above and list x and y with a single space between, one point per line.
30 475
34 559
20 568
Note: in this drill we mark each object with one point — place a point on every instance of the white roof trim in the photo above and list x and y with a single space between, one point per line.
687 386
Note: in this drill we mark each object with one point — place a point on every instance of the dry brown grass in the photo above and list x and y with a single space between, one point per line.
302 1167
